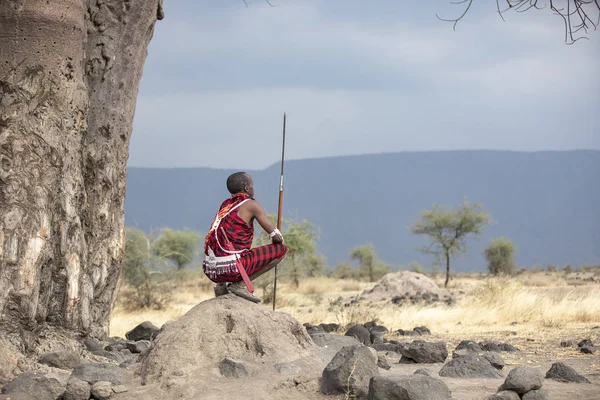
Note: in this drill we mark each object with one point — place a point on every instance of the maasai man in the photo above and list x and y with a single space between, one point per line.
235 219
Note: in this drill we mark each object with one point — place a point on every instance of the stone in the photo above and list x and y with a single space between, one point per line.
523 379
383 362
568 343
61 359
115 356
360 333
376 337
425 352
494 359
93 344
36 385
144 331
585 342
422 330
587 349
328 328
138 347
232 368
469 367
387 347
410 387
489 345
98 372
508 347
287 368
539 394
119 389
470 346
350 371
77 390
505 395
563 373
329 344
423 371
101 390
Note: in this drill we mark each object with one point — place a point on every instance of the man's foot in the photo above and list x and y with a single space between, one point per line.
243 292
221 289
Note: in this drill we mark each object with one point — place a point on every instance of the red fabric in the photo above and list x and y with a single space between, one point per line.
253 261
239 232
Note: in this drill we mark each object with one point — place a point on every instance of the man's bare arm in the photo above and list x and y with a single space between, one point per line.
260 215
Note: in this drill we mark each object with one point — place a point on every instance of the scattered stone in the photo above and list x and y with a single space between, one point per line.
563 373
425 352
470 346
422 330
508 347
128 362
119 389
93 344
287 368
494 359
350 370
92 373
523 379
144 331
138 347
232 368
468 367
489 345
61 359
116 346
587 349
539 394
328 328
410 387
406 286
505 395
387 347
37 385
383 362
115 356
329 344
360 333
101 390
568 343
423 371
585 342
310 328
77 389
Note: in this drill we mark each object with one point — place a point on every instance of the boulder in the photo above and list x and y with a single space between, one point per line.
350 371
494 359
425 352
505 395
98 372
93 344
101 390
232 368
423 371
410 387
61 359
563 373
330 343
328 328
469 345
539 394
403 285
8 361
77 389
383 362
37 385
144 331
360 333
138 347
568 343
469 367
523 379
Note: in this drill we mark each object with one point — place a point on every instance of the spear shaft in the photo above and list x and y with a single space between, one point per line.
279 206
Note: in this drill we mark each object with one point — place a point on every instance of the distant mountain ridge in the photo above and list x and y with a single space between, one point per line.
548 203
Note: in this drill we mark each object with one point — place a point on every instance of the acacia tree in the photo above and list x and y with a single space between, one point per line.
369 265
177 246
448 230
69 76
500 256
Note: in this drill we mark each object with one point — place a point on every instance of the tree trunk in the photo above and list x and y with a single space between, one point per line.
447 269
69 76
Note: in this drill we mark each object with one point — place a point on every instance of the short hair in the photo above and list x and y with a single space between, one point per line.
236 182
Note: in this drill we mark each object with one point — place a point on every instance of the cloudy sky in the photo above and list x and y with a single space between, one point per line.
359 77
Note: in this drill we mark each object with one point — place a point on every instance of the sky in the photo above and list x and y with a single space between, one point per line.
359 77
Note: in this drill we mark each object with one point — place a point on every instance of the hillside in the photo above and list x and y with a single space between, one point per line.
548 203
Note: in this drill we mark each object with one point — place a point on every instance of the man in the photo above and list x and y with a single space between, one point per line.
230 239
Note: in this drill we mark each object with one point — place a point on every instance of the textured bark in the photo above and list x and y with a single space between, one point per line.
69 76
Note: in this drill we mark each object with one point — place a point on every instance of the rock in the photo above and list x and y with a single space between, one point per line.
563 373
101 390
411 387
523 379
328 328
585 342
383 362
77 389
468 367
587 349
138 347
423 371
287 368
119 389
232 368
92 373
93 344
376 337
494 359
36 385
404 286
539 394
128 362
8 361
470 346
360 333
330 343
144 331
61 359
490 346
350 370
310 328
422 330
505 395
568 343
425 352
508 347
387 347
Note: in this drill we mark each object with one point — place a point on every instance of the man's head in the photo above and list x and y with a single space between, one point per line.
240 182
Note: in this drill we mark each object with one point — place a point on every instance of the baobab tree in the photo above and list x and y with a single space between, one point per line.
69 77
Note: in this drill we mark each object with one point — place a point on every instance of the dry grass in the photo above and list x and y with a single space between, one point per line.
530 302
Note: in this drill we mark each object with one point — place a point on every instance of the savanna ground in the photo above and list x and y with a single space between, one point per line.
533 311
